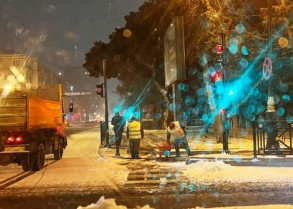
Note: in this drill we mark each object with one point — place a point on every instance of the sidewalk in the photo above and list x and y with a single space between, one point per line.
205 148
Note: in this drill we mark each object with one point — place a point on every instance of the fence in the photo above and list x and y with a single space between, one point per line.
272 138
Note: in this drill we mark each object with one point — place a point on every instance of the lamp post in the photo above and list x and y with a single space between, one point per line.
225 126
106 105
270 114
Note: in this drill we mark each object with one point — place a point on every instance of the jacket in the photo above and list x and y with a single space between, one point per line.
118 123
135 130
178 132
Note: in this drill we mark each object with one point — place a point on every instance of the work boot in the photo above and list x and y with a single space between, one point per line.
187 150
187 160
177 151
226 152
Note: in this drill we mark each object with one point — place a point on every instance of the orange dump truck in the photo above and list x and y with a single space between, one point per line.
31 126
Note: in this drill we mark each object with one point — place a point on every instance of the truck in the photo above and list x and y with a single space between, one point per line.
31 126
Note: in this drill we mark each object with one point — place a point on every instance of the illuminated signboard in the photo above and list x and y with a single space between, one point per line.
83 93
174 52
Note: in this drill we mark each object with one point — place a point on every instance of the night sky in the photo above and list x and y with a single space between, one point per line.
60 32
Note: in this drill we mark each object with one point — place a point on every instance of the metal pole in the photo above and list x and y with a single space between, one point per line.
106 104
225 128
174 101
254 124
271 112
270 26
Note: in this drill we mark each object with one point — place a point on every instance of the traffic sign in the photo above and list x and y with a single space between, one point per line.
267 68
219 49
83 93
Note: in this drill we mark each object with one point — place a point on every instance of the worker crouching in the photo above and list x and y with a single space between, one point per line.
178 134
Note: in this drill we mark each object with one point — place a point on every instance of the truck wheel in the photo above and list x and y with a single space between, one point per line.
59 152
25 163
39 158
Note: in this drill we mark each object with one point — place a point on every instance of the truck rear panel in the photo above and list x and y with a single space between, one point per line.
13 112
23 111
44 113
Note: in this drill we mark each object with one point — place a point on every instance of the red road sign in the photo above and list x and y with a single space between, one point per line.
267 68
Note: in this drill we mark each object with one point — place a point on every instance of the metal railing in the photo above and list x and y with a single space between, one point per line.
280 144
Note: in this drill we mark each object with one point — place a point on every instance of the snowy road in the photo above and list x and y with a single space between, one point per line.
88 172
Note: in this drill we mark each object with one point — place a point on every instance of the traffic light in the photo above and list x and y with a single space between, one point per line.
71 105
100 89
219 49
216 76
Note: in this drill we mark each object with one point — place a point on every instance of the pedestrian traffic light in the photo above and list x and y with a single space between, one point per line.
216 76
219 49
100 89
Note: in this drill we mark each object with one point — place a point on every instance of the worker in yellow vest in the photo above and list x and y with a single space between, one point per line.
176 132
135 134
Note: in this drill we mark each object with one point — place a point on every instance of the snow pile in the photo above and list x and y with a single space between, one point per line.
211 165
103 203
206 170
255 207
217 171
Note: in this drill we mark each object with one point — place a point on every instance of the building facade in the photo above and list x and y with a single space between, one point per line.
21 72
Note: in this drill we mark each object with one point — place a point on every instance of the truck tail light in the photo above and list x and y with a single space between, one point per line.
14 140
10 140
18 139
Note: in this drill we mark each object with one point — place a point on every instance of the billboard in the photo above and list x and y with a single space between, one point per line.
174 52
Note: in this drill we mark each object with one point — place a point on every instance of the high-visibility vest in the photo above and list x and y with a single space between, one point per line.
177 132
134 130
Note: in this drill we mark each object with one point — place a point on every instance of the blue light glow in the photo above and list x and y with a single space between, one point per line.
240 28
243 63
192 187
237 159
233 48
167 153
183 185
286 98
280 111
233 41
211 70
289 119
203 60
244 50
172 107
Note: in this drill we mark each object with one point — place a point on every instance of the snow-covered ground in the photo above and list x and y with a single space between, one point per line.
217 171
103 203
209 172
212 171
108 171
